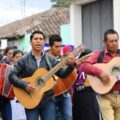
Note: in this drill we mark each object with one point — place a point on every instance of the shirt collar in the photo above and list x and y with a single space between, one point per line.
42 54
58 57
107 52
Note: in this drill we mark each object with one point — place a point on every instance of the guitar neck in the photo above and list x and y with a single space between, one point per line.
85 57
55 69
62 63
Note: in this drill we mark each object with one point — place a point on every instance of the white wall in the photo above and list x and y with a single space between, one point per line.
76 20
116 16
3 43
76 24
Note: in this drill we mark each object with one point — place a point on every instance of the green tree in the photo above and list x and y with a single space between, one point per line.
61 3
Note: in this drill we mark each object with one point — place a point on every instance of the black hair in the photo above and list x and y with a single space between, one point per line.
54 38
7 49
37 32
110 31
85 52
15 52
15 47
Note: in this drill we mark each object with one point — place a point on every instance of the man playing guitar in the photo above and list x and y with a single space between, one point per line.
110 102
26 67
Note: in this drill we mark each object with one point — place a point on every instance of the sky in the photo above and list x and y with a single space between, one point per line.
12 10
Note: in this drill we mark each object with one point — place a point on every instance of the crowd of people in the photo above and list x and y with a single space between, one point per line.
80 101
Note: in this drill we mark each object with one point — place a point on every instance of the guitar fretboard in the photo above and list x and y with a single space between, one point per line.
55 69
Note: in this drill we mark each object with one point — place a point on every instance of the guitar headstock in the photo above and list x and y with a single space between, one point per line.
75 53
78 50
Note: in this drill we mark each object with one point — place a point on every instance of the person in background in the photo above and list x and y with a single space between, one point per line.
63 101
27 65
17 54
8 53
66 50
85 104
55 43
5 105
18 112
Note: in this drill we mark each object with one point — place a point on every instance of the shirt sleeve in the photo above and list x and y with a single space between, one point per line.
15 76
88 67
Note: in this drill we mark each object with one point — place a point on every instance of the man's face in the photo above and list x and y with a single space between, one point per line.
37 42
111 42
56 48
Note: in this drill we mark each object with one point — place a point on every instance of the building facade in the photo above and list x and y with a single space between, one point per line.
89 20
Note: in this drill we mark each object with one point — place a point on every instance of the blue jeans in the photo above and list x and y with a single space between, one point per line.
5 109
46 111
64 107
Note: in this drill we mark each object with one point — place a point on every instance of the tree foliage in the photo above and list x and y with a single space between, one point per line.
61 3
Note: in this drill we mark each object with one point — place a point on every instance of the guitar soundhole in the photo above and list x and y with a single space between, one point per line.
116 71
40 82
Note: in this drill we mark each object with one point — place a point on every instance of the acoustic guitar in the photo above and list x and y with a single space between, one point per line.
42 81
112 68
63 85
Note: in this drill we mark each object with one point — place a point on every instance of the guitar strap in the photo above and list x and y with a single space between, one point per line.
100 58
49 64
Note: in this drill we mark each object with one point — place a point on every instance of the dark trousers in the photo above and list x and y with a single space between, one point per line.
46 111
85 105
5 109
